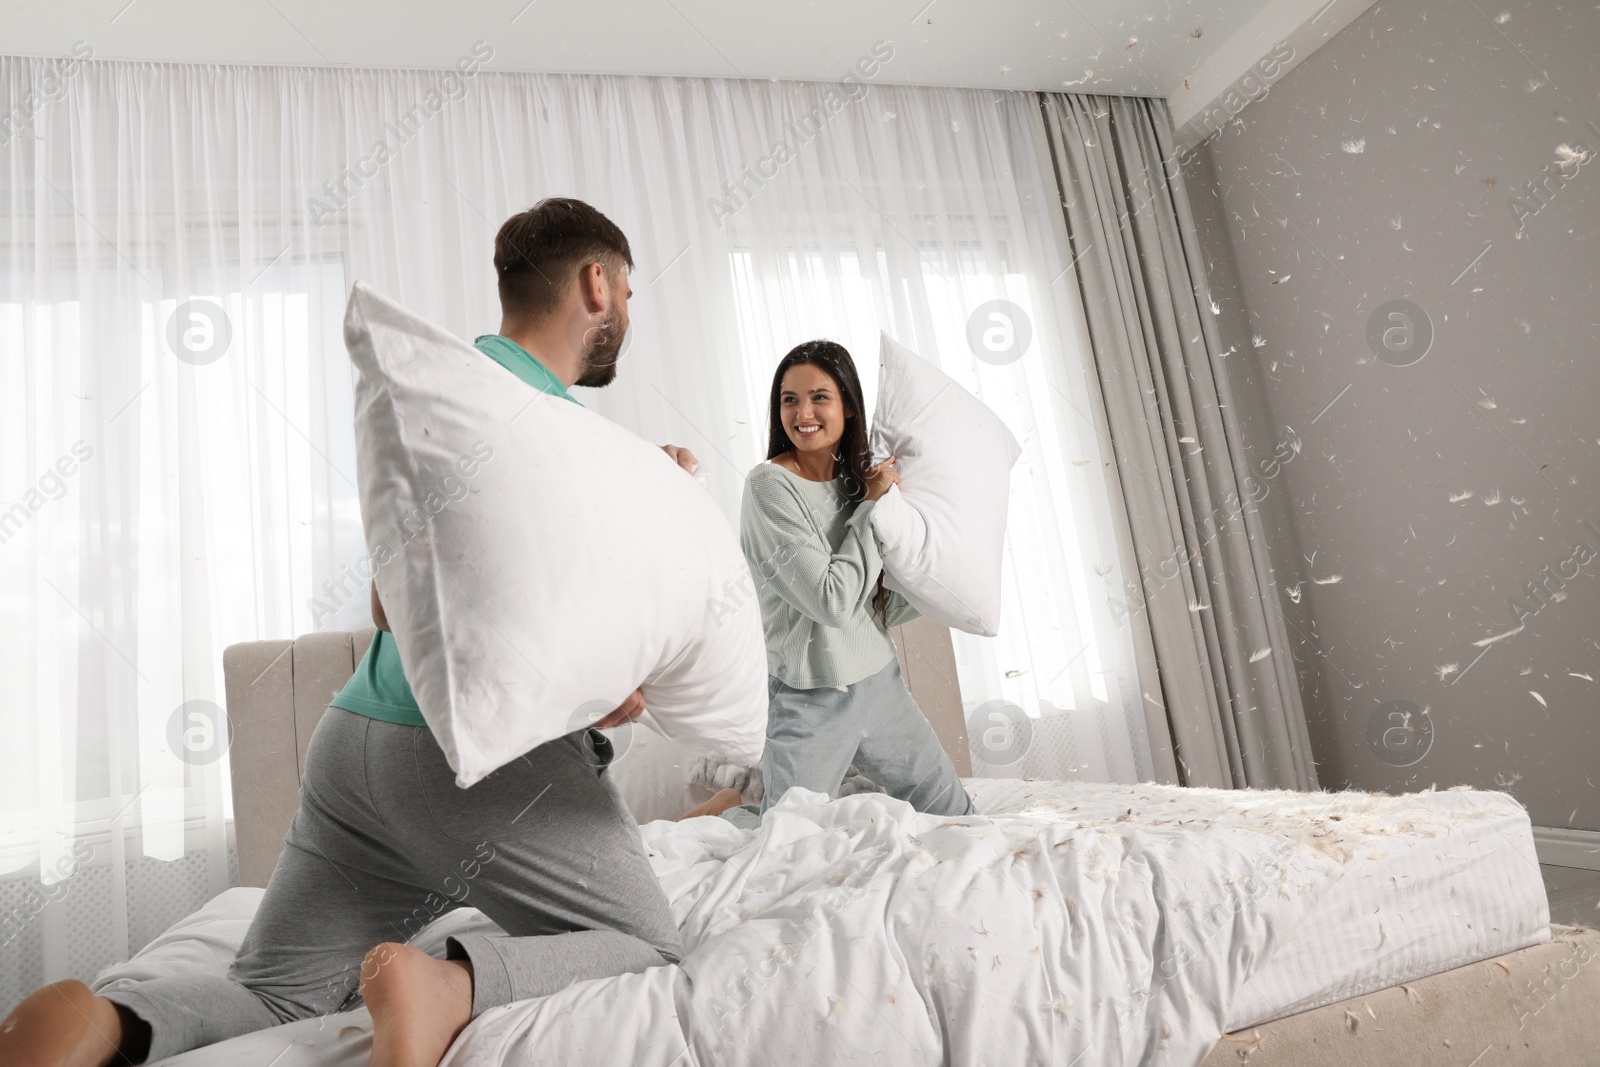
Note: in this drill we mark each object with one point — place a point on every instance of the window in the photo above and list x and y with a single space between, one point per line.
1054 694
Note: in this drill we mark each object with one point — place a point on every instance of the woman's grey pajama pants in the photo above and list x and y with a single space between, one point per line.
385 841
815 735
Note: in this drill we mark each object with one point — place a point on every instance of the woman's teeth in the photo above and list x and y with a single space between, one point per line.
807 429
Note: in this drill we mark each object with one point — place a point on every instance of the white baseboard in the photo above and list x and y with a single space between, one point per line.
1561 847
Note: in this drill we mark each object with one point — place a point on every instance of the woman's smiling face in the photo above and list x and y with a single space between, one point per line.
813 413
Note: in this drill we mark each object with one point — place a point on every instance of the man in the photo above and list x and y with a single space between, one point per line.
384 840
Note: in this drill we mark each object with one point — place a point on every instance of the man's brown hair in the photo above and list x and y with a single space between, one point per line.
538 253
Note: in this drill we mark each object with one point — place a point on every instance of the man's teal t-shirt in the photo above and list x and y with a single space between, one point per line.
379 689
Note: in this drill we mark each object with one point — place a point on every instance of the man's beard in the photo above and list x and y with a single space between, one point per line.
600 358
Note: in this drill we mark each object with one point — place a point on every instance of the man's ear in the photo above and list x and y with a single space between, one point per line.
594 287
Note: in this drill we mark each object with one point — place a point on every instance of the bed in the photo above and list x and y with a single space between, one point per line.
1069 923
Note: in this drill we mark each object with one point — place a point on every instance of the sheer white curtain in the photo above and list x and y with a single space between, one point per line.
923 212
177 469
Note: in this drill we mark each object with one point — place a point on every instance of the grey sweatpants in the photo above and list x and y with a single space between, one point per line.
385 841
814 735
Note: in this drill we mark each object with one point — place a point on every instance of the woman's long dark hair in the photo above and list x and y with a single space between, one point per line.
854 456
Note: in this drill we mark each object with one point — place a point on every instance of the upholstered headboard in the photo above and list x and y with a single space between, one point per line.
278 690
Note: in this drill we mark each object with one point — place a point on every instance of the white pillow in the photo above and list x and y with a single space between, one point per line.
943 527
537 562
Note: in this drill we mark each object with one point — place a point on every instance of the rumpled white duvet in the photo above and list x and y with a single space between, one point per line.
1055 928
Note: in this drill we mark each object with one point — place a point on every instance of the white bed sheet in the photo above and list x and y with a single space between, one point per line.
1371 891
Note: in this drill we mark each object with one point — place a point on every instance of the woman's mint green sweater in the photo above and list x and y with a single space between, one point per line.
815 561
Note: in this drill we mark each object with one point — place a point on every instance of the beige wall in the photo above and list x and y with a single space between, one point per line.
1394 164
928 663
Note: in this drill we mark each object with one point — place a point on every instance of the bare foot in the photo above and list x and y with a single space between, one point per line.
418 1004
720 802
61 1025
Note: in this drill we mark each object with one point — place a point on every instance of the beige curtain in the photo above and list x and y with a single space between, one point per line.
1225 710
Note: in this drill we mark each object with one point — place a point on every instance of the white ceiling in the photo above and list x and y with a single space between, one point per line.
1133 47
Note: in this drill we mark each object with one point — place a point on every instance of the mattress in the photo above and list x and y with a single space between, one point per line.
1431 880
1364 892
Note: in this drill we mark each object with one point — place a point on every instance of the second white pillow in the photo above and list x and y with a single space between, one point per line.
944 527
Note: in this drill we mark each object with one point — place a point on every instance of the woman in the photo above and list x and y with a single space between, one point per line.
837 697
